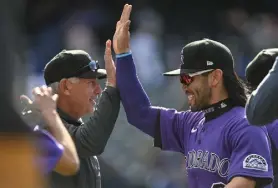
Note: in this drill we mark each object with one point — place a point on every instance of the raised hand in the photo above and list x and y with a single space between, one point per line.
30 113
44 100
109 65
121 37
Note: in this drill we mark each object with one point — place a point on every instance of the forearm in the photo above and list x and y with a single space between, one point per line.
262 106
134 99
241 182
69 162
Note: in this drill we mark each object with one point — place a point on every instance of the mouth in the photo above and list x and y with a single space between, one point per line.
92 101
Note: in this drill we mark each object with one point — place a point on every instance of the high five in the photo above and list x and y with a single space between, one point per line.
220 147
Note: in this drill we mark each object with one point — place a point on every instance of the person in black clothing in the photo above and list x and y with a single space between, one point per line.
73 75
262 75
260 108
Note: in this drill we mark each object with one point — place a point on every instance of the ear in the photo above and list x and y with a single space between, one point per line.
216 77
65 86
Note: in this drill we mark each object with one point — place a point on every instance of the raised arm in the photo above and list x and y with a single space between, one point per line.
262 106
169 127
68 163
136 103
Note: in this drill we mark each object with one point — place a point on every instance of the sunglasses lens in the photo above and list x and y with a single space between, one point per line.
186 79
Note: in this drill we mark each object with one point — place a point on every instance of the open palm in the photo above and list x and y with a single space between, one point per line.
121 37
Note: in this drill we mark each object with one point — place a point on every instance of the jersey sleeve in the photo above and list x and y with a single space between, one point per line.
51 151
272 130
251 154
174 128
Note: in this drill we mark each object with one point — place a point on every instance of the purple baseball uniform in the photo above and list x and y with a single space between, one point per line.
51 151
217 146
272 130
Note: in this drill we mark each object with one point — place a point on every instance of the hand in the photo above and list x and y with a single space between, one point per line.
26 104
30 114
121 37
44 100
109 65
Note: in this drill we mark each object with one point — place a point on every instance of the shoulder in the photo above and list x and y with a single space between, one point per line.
238 123
271 127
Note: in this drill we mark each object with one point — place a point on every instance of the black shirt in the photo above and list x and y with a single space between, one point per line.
90 139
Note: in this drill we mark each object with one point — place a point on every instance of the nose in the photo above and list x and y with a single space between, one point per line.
184 87
97 90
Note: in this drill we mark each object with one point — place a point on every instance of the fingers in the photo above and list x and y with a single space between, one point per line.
45 90
55 97
108 55
118 24
126 25
126 13
37 91
42 91
108 48
49 89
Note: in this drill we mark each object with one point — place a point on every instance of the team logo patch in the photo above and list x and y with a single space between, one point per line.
255 162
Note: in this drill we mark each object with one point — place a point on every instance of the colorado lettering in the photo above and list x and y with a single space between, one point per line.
207 161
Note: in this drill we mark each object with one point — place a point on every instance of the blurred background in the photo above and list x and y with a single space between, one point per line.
158 32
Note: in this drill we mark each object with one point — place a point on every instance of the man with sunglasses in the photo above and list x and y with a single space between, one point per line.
74 75
221 149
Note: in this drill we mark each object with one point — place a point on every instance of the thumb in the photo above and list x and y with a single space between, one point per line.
55 97
25 100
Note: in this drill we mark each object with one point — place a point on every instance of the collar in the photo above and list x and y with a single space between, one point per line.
218 109
68 118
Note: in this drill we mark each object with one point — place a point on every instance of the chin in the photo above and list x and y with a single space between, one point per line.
92 109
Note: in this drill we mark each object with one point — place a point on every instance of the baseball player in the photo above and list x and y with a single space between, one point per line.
221 149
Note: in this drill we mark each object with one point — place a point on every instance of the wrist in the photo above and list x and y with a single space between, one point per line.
119 55
49 113
111 83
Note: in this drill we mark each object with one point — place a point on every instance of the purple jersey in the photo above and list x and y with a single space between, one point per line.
218 150
51 151
272 130
215 150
